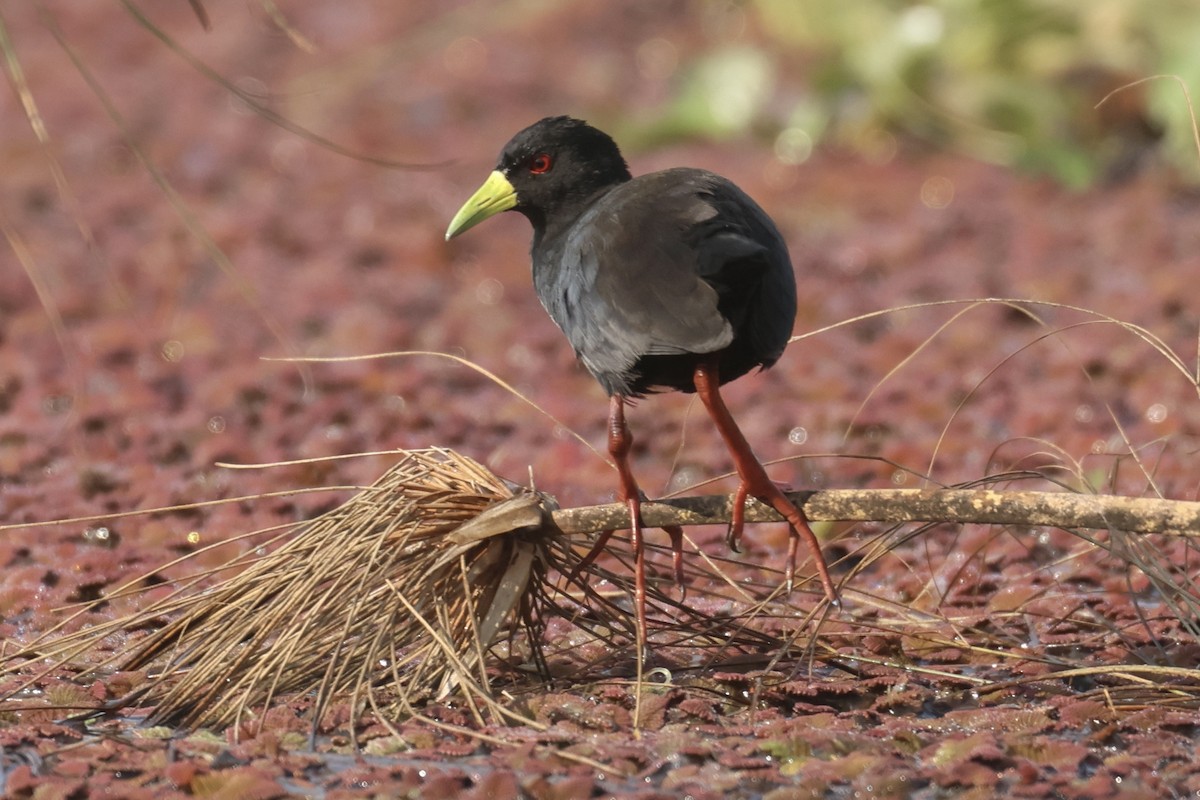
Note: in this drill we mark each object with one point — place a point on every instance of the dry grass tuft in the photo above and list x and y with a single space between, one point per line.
390 589
346 601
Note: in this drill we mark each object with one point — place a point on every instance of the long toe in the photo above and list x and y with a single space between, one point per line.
737 518
676 534
801 529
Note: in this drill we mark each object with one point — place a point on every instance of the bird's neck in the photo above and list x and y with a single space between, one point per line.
568 208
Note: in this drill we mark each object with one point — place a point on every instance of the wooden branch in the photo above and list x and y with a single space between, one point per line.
988 506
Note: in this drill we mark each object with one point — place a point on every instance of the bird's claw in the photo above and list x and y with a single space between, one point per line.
737 518
676 534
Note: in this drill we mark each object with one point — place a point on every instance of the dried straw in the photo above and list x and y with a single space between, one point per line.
349 601
388 589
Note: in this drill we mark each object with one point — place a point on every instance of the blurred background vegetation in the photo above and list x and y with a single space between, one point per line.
1013 82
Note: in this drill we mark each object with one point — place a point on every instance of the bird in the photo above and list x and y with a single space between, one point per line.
670 281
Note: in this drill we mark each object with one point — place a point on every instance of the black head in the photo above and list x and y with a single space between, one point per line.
552 167
558 160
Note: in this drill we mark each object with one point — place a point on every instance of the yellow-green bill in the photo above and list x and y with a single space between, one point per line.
497 194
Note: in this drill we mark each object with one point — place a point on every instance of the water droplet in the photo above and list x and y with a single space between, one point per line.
489 291
1156 412
1084 413
172 350
797 435
520 355
899 477
793 146
56 403
937 192
684 478
193 537
851 261
216 424
99 534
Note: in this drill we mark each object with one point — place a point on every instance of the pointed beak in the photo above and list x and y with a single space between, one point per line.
497 194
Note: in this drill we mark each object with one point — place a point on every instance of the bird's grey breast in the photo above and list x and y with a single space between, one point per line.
568 280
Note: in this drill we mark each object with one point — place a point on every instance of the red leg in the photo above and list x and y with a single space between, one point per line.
587 560
754 477
620 442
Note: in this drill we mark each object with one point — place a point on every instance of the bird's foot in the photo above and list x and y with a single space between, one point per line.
737 515
675 532
799 528
773 494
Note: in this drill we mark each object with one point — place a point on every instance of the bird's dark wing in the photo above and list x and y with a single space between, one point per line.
743 256
661 265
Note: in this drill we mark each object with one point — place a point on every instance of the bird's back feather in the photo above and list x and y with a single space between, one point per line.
662 269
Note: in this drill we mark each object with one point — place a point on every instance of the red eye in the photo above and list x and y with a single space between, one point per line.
540 163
